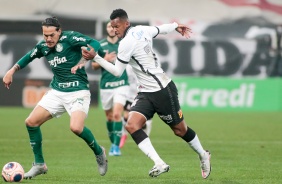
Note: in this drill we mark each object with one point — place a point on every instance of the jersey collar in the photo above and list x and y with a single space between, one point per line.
126 31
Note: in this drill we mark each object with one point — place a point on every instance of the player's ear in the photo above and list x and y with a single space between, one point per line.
127 23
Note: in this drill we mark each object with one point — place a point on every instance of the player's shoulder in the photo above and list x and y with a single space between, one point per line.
138 33
41 44
69 32
103 42
70 35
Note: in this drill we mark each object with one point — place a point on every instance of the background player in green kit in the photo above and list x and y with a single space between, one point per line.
69 93
113 92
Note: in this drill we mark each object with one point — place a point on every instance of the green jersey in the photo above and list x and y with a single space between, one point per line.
108 80
61 58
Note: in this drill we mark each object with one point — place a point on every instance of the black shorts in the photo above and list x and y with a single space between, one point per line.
127 105
164 102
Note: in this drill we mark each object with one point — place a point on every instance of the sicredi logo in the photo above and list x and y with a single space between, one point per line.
243 96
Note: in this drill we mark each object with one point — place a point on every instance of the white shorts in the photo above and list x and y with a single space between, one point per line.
111 96
57 102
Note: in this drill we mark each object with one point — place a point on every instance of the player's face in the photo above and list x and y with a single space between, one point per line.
51 35
119 26
110 30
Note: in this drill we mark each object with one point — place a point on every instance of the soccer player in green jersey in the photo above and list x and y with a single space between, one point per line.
113 92
69 93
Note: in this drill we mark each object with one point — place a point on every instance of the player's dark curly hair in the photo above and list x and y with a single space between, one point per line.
119 13
52 21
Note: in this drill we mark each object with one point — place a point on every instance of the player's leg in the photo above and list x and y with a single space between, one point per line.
119 101
48 106
107 96
78 109
126 110
134 127
140 112
117 118
188 135
171 114
110 129
148 127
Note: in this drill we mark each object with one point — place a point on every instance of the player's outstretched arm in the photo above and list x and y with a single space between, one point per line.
184 30
8 77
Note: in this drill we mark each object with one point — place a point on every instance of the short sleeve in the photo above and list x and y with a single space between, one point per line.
126 49
152 31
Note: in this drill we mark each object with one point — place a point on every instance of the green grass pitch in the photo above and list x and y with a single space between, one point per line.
246 148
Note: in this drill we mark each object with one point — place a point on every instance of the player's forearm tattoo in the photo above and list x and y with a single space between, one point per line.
16 67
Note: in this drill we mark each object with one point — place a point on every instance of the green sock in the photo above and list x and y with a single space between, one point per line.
110 127
117 132
35 139
88 137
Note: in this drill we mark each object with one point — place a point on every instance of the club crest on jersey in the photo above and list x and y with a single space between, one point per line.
180 114
59 47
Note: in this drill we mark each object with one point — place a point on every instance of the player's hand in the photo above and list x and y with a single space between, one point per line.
79 65
8 79
88 52
184 30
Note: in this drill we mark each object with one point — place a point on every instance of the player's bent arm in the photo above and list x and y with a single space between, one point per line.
116 69
8 78
23 62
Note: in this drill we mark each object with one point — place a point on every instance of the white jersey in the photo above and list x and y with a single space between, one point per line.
136 48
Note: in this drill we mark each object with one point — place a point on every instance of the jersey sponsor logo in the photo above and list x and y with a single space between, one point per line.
137 35
59 47
79 39
68 84
166 118
104 44
33 52
56 61
115 84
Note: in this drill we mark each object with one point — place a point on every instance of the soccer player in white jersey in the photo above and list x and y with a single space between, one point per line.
157 92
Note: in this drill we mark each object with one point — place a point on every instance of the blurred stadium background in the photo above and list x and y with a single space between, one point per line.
231 62
228 73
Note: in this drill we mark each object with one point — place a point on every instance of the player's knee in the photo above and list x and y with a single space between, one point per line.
129 127
109 117
76 130
31 122
179 132
132 127
117 117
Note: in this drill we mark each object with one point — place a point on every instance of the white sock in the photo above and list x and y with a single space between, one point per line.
147 148
196 146
123 131
148 127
